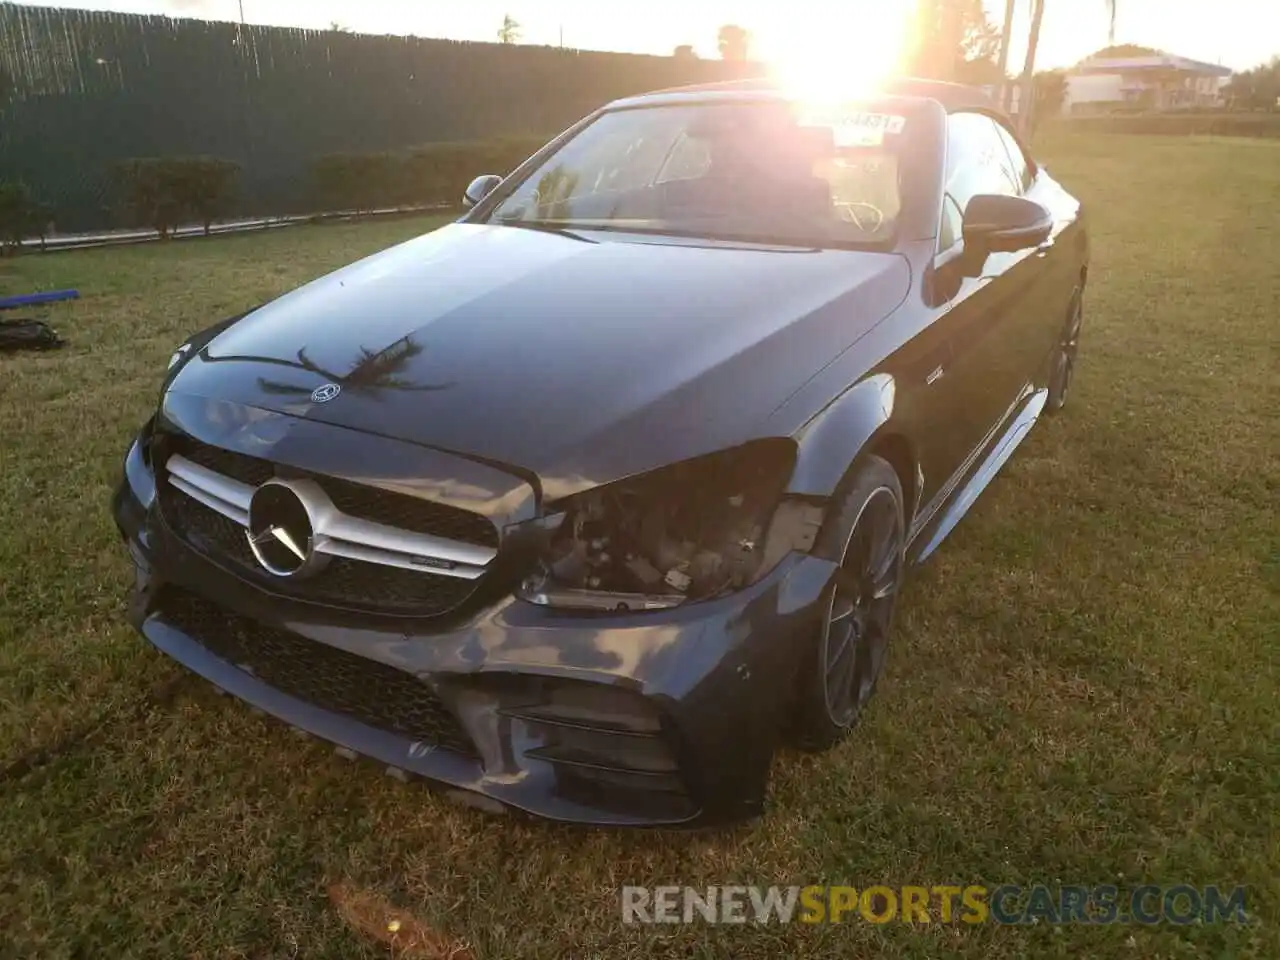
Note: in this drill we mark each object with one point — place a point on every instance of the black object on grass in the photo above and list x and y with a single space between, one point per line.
28 335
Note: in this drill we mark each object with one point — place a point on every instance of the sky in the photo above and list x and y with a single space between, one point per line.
1237 33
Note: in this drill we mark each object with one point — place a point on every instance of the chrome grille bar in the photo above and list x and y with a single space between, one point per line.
228 497
391 558
381 538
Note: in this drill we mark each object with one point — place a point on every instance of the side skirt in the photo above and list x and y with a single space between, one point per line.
946 519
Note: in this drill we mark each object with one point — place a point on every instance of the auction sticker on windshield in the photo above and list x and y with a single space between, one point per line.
861 129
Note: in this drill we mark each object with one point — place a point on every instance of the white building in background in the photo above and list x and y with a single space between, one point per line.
1160 81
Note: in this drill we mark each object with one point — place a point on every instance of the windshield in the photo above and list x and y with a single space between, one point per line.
763 171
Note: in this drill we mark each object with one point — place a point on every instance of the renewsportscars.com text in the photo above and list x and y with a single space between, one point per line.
973 904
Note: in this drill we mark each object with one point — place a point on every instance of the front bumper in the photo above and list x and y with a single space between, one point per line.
662 718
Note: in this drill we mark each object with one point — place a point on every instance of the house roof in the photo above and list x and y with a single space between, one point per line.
1158 60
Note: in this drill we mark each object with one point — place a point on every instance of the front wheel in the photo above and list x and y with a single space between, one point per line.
1064 358
867 537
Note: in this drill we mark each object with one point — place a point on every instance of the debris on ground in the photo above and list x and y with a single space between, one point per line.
28 335
406 937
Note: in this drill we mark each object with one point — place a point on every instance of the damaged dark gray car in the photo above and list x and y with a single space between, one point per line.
585 502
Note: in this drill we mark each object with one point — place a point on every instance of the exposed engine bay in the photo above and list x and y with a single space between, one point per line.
691 531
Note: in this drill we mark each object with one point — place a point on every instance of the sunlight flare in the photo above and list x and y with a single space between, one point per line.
848 51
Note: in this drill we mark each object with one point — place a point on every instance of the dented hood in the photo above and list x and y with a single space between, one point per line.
578 360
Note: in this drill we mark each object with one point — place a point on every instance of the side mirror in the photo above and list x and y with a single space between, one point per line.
480 188
1000 224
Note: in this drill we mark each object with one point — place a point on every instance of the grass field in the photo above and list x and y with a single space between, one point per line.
1084 687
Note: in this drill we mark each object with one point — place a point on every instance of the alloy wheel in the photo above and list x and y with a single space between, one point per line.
856 633
1065 360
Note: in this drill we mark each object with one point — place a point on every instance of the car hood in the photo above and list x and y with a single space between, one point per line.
574 360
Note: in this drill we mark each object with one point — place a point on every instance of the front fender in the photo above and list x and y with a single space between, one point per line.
830 441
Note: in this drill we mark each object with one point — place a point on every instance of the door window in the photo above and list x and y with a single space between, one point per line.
952 223
1023 169
977 163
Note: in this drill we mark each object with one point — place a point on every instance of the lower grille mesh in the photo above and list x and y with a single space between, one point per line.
367 691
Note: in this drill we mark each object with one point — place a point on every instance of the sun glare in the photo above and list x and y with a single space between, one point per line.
847 51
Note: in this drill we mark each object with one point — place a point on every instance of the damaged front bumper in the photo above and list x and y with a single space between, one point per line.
666 717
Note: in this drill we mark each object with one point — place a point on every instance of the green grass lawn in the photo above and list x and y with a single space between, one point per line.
1084 686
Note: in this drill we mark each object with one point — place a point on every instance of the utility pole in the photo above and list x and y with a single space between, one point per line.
1006 36
241 12
1027 88
562 36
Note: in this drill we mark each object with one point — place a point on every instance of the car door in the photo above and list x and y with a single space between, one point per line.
988 317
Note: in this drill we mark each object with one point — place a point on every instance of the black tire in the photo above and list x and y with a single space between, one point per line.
1064 357
866 536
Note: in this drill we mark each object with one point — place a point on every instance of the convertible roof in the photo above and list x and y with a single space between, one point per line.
952 96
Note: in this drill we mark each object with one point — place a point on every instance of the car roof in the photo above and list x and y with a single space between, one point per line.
952 96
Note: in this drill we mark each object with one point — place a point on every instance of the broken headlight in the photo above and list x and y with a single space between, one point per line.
694 530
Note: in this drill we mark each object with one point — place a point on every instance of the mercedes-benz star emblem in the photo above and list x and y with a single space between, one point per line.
282 532
325 392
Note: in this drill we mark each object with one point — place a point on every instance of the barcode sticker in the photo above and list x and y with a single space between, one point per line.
861 129
884 122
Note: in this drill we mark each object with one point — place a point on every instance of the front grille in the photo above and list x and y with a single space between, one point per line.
367 691
368 503
342 583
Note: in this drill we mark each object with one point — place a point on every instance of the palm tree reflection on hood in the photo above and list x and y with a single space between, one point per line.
373 373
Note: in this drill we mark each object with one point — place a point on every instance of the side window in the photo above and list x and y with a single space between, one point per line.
977 163
977 160
1023 169
952 222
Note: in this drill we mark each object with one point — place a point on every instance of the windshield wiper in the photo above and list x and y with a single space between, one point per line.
546 226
